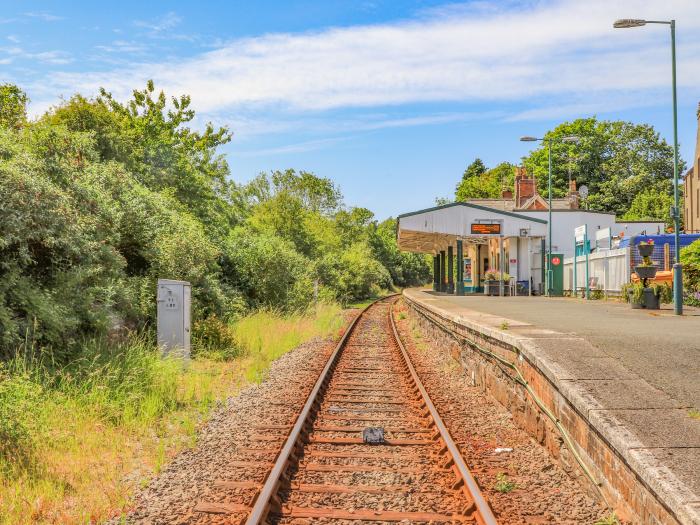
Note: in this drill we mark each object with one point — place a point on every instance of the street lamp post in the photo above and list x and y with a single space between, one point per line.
677 269
550 272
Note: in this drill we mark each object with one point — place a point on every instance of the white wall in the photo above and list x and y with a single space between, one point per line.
564 222
611 267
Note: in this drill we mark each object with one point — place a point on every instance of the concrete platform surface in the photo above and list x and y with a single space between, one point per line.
634 374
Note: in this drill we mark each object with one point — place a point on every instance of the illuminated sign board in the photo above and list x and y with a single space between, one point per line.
486 229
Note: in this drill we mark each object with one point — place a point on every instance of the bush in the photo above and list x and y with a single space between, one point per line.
353 274
214 338
267 270
690 259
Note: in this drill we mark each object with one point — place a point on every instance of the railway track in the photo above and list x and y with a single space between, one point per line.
368 446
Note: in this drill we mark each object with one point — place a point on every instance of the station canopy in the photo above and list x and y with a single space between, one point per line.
433 229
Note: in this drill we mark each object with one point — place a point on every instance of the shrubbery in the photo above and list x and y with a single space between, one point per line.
690 259
100 199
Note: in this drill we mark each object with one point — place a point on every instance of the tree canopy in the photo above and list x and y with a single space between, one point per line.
617 160
481 183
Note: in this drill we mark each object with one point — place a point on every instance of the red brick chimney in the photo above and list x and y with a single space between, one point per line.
525 187
506 194
573 195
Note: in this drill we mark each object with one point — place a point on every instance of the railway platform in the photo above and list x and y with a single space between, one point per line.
624 384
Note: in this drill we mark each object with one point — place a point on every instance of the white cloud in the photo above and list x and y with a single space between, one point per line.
543 52
43 15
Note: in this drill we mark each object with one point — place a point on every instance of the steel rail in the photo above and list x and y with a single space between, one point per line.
483 508
261 508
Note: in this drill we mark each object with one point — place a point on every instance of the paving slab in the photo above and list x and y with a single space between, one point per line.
633 374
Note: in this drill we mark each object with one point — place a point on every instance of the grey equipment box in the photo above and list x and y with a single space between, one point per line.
174 304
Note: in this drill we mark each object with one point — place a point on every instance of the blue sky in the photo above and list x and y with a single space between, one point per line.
390 99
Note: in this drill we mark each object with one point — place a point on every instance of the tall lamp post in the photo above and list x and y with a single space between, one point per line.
548 284
677 269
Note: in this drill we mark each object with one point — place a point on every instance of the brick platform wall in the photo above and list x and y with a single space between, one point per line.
631 499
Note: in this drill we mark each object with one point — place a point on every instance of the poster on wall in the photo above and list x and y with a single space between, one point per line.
467 270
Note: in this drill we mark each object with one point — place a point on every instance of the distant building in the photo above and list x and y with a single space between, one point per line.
691 192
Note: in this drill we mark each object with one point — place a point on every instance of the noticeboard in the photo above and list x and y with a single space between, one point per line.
485 229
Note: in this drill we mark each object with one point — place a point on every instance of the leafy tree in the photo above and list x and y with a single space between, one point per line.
615 159
406 269
475 170
487 184
650 205
13 106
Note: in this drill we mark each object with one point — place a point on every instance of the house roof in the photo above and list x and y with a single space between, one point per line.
509 204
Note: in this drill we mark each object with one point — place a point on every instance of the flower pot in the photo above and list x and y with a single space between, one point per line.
651 300
633 305
645 250
646 272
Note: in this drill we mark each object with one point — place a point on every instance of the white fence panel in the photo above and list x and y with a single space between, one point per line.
609 269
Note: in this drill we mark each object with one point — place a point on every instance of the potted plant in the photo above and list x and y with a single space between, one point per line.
640 294
492 282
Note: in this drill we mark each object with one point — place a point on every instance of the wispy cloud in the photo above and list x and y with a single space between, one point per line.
43 15
300 147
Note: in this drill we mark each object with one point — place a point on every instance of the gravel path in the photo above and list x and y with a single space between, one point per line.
230 449
543 492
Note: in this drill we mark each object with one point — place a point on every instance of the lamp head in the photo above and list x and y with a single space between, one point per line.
624 23
528 139
571 138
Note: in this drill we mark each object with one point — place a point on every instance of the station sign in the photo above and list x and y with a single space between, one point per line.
478 228
580 233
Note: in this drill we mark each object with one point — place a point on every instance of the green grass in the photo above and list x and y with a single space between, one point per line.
77 440
694 413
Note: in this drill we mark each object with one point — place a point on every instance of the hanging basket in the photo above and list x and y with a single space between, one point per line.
645 250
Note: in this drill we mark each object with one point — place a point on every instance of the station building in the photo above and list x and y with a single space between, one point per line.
504 236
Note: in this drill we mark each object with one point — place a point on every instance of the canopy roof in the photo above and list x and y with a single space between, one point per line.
433 229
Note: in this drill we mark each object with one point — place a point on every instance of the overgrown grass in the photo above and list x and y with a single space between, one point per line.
77 440
266 335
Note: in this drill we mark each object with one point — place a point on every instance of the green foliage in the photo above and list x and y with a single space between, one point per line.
267 270
352 274
690 259
18 398
634 292
101 198
478 183
406 269
503 484
650 205
13 106
214 338
617 161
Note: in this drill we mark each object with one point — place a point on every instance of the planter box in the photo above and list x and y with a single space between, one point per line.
645 250
646 272
492 288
